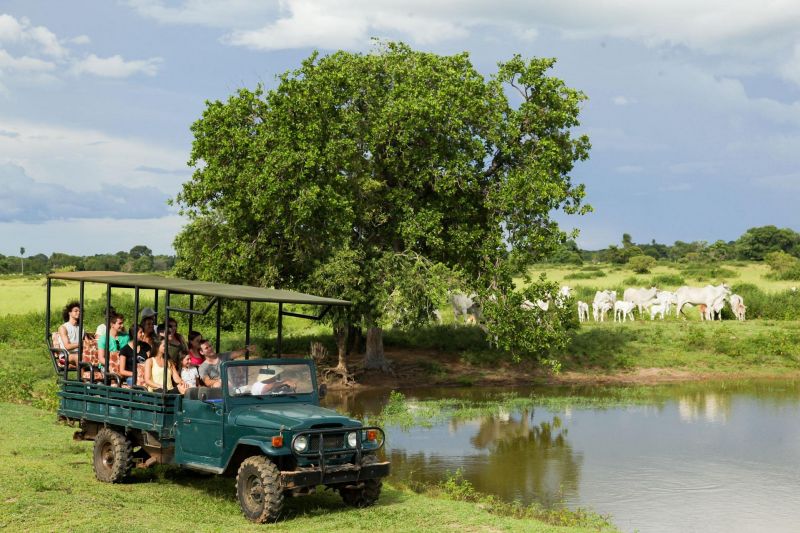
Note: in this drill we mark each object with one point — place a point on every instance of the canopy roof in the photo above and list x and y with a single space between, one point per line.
205 288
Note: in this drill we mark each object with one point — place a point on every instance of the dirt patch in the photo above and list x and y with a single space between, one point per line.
424 368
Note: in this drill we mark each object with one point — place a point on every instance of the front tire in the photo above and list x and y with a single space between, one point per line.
258 488
113 459
368 494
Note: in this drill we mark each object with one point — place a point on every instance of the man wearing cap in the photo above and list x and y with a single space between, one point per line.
209 370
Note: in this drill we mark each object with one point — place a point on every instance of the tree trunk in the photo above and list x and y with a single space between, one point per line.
374 358
340 332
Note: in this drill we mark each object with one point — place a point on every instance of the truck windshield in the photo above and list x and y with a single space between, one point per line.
269 380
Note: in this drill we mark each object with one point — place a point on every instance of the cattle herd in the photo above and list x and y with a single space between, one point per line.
709 300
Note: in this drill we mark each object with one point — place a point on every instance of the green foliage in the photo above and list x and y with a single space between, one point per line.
784 305
784 266
662 280
530 333
641 264
756 243
707 272
383 178
586 275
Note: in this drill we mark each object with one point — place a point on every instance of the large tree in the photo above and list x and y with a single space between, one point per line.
373 176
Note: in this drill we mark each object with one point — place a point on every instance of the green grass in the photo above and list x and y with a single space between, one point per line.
48 485
20 294
757 347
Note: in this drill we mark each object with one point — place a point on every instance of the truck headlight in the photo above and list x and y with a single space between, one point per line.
300 443
352 439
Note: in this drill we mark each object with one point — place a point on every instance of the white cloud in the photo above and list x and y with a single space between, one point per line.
81 39
116 66
89 236
622 100
23 199
24 63
82 159
213 13
11 30
782 182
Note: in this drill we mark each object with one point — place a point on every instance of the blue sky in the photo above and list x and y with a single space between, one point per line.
693 107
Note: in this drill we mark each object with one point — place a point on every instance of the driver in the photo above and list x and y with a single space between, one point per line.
270 381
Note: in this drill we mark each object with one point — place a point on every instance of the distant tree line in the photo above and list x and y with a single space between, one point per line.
756 244
140 258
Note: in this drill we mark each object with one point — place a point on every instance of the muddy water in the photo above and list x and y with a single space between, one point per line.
711 457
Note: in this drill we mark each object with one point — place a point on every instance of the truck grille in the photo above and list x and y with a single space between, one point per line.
333 441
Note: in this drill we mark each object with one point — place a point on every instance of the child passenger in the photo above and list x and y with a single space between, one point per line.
189 372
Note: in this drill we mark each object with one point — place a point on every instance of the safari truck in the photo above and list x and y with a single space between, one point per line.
263 425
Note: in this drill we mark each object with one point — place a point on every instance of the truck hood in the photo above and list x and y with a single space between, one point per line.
289 415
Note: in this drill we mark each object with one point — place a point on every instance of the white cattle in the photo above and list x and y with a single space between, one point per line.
603 302
583 311
640 297
711 296
561 299
737 306
623 309
667 298
465 306
659 308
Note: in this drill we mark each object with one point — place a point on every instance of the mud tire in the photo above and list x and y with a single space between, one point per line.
368 494
112 457
258 489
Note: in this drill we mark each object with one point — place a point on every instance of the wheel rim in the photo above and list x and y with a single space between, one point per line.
107 456
254 493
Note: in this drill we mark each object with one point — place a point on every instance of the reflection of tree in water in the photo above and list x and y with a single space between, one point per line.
524 461
711 406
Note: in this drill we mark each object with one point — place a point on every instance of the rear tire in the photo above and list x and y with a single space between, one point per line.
113 459
258 489
368 494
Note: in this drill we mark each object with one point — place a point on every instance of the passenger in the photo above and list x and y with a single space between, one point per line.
177 344
190 374
147 323
126 358
195 340
69 332
101 328
209 370
154 374
118 338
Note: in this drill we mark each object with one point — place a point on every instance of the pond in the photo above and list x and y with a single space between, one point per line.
694 457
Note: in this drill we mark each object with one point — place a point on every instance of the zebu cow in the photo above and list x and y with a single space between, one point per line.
603 302
710 296
667 299
464 305
640 297
583 311
561 299
737 306
623 309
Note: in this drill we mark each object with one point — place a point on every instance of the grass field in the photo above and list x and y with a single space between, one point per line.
615 275
20 294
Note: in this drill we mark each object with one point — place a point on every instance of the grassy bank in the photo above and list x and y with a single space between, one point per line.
48 485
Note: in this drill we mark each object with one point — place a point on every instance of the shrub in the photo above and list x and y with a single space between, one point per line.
783 305
707 271
783 266
641 264
668 279
586 275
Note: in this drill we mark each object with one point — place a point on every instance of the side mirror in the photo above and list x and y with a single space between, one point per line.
323 391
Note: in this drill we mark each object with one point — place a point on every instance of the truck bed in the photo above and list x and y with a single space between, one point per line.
121 407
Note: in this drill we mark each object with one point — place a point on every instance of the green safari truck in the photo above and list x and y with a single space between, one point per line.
264 424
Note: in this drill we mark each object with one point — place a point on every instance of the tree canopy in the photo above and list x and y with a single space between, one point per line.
383 177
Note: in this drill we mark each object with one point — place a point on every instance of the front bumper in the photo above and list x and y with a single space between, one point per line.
347 473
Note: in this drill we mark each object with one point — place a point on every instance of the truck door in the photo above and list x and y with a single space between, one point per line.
199 436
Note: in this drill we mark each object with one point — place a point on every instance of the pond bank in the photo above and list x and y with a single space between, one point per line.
642 352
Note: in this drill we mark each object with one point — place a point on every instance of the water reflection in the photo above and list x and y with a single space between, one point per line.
708 406
699 457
